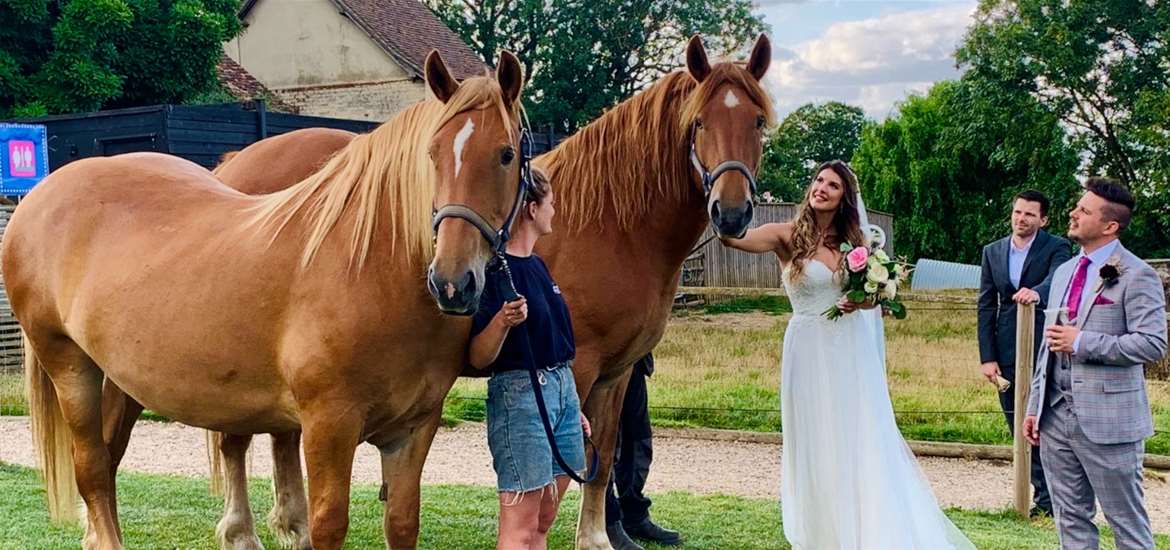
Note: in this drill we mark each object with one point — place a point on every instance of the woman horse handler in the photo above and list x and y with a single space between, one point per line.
529 481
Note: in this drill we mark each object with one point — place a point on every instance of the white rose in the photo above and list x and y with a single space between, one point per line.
871 287
881 255
901 273
878 274
889 290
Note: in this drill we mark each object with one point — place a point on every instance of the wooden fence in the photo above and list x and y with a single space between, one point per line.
11 352
725 267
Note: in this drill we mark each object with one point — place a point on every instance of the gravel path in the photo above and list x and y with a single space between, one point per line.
460 456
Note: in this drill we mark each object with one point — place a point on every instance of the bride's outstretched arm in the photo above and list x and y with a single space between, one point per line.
770 237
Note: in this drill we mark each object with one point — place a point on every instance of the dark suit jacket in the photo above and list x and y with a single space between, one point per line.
997 311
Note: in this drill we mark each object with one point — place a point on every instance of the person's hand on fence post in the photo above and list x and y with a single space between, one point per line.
1026 296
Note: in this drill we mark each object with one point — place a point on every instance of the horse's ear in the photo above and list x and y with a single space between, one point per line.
697 62
439 79
510 75
761 57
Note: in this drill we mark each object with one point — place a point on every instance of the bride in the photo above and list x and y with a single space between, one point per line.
848 479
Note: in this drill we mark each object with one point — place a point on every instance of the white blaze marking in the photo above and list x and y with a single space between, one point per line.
730 100
461 140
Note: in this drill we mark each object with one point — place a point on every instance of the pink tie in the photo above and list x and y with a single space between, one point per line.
1078 286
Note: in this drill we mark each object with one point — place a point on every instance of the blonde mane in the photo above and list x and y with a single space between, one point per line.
635 155
384 174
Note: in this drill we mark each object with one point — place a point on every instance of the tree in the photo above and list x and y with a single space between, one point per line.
1101 67
947 164
808 136
59 56
582 56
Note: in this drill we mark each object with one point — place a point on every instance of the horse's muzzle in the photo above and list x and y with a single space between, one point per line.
458 295
731 222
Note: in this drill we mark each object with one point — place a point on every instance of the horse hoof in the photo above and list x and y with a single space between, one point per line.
242 543
290 534
594 542
237 537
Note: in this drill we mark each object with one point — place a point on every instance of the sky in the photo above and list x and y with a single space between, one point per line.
868 53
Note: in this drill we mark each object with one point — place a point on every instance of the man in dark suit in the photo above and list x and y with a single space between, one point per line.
1017 269
627 508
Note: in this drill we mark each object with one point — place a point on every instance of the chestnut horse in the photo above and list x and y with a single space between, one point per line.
306 309
634 200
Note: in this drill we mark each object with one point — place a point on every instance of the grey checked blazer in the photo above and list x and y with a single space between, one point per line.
1118 338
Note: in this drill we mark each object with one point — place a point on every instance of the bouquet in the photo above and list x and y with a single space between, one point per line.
872 276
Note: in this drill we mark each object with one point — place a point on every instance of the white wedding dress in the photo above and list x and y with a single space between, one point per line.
848 480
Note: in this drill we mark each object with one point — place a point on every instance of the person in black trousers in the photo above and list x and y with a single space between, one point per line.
627 509
1017 269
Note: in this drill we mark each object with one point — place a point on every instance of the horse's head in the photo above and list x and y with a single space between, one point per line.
476 151
725 116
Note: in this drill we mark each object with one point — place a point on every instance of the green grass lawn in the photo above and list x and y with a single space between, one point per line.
163 512
718 366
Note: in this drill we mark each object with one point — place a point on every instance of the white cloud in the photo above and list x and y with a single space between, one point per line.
878 100
872 63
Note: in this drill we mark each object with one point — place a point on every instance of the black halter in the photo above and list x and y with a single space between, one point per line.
708 177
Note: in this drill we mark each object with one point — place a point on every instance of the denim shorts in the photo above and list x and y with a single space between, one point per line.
521 455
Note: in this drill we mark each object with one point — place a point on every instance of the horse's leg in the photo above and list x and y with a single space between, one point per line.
77 388
236 530
289 518
119 413
402 473
331 437
603 406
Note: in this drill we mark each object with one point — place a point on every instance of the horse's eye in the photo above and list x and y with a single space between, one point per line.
760 121
699 123
507 155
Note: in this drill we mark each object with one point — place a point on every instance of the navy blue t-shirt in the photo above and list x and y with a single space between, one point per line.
548 327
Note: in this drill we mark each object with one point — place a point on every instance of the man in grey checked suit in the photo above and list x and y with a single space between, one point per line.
1017 269
1088 410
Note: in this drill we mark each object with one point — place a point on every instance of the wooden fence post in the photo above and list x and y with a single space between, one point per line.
1022 450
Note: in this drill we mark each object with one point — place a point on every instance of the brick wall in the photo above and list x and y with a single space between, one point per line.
375 101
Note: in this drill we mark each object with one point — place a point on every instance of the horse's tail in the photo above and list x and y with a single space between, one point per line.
215 461
224 160
52 439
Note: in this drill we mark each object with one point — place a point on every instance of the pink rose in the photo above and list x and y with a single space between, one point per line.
857 259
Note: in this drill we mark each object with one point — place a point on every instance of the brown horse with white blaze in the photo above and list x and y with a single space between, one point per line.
306 309
634 201
633 205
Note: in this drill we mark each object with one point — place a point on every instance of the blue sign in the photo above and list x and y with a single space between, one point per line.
24 157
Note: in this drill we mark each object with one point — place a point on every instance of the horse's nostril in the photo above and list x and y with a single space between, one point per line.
715 210
469 284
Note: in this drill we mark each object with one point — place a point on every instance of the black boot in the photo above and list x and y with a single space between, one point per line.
618 538
646 530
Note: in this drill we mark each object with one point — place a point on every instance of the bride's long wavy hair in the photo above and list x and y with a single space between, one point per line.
807 236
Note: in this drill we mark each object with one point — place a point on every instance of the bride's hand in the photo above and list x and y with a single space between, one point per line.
847 306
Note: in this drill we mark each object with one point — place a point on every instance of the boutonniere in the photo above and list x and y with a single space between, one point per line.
1110 272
